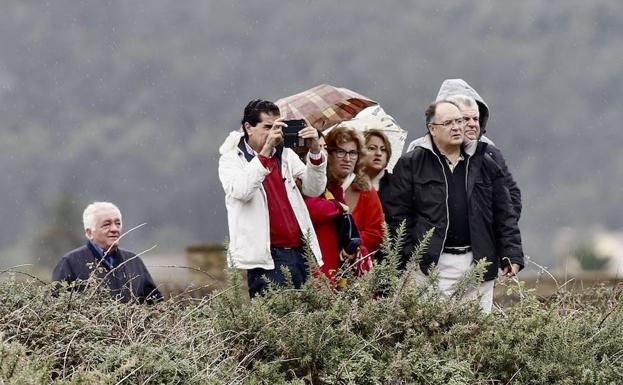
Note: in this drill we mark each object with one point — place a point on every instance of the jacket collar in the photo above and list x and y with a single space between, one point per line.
246 150
426 142
250 153
348 181
235 142
111 259
376 181
231 142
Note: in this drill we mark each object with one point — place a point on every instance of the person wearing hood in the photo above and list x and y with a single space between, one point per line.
476 113
454 187
267 217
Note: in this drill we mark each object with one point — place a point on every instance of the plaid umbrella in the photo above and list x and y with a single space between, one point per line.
324 105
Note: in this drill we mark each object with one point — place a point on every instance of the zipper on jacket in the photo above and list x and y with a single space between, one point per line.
466 175
467 171
265 202
445 178
267 218
467 198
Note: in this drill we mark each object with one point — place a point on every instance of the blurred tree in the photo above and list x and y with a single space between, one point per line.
129 101
62 232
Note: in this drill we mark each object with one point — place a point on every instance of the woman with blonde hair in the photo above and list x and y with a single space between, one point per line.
349 190
378 153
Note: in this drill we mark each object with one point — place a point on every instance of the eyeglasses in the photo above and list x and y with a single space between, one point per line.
342 153
449 123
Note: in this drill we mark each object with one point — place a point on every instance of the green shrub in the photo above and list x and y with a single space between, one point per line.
380 329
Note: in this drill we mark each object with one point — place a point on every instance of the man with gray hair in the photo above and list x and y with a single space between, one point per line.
471 113
476 115
450 185
123 272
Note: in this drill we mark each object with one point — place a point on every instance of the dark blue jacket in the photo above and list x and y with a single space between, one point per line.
128 279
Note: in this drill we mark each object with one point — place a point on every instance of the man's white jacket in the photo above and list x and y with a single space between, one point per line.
247 207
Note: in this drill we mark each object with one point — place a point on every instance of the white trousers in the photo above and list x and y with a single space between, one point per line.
452 267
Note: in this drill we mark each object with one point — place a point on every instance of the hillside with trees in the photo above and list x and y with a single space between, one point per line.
129 102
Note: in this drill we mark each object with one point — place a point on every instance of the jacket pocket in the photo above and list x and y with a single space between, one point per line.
422 226
482 198
429 194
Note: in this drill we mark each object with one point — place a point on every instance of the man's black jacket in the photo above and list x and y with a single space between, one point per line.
510 183
418 195
384 192
127 280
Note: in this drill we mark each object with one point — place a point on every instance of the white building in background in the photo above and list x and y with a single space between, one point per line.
611 244
605 243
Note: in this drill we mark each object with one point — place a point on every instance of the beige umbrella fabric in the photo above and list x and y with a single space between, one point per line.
324 105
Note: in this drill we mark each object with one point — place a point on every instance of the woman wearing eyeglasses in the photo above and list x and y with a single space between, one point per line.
348 190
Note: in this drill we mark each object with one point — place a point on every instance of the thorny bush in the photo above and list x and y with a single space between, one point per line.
380 329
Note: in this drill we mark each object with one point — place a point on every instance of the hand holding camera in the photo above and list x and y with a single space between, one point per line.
275 137
310 135
300 133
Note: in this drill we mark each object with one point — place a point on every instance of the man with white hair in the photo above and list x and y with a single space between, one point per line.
123 271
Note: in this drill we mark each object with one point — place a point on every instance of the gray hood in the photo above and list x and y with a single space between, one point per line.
426 142
451 87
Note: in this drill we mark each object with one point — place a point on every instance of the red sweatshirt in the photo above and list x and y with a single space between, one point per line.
322 211
284 228
369 218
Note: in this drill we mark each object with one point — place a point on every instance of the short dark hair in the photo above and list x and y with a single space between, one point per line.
254 109
432 109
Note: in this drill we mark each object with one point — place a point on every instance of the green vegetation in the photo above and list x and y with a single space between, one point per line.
378 330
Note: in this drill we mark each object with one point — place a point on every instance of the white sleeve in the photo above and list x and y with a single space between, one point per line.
240 180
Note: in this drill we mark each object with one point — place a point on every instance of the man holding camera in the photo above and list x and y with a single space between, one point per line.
267 217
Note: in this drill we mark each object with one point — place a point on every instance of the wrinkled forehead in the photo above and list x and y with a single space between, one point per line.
375 140
446 111
470 112
107 213
347 146
267 118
